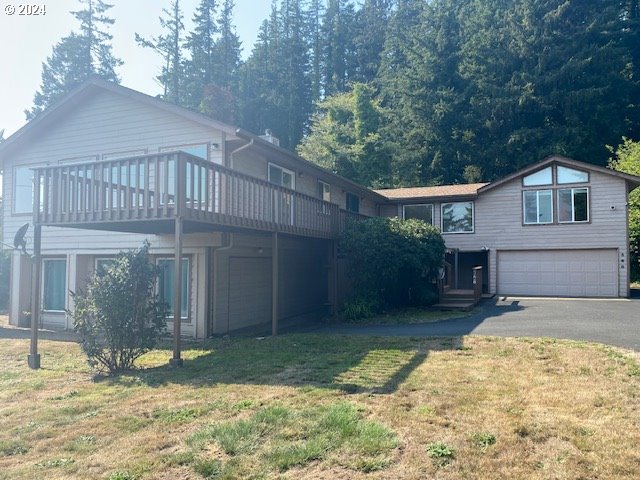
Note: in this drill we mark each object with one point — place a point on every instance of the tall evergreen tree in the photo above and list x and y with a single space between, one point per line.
370 30
227 49
77 56
339 58
169 46
200 68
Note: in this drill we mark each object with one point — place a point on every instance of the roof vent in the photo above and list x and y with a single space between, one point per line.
268 136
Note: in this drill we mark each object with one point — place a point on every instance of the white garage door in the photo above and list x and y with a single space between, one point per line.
567 273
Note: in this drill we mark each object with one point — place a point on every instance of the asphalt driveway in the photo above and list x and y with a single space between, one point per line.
615 322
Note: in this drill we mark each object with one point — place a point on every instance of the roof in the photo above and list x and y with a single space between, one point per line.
633 180
442 191
85 90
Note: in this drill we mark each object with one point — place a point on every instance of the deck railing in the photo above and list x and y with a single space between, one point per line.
166 185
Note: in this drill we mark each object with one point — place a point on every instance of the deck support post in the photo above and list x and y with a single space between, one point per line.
455 275
274 283
333 276
33 359
176 361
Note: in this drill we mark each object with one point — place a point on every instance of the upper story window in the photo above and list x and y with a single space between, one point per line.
127 154
457 217
538 206
569 175
23 190
200 150
281 176
353 202
421 212
573 205
541 177
324 191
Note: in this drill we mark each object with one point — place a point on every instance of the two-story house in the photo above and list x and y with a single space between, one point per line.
255 226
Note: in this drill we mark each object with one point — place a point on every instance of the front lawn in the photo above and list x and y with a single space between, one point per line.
317 406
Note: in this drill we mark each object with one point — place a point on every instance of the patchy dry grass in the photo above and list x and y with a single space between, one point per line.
414 315
325 407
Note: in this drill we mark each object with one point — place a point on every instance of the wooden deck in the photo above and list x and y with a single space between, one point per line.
145 194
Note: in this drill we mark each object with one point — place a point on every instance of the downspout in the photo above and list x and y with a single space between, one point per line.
237 150
229 244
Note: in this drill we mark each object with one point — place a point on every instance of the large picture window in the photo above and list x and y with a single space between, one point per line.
541 177
538 207
421 212
23 190
54 284
199 150
457 217
570 175
573 205
166 281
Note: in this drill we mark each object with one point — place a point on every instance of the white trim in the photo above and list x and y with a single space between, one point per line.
433 210
123 154
473 219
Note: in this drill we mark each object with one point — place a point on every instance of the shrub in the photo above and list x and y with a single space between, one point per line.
391 262
118 318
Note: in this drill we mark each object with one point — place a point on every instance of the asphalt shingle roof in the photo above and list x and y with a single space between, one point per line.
426 192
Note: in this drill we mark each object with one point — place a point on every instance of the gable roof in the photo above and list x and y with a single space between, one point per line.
441 191
86 90
633 180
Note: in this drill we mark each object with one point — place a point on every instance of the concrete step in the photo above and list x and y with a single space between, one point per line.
464 307
458 293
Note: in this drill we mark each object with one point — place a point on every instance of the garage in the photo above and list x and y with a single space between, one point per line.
249 291
565 273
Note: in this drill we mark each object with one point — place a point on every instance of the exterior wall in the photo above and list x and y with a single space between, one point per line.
498 225
109 123
303 287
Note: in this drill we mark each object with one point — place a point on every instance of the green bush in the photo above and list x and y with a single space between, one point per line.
391 262
118 318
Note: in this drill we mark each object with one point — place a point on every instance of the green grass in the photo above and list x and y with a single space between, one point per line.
317 406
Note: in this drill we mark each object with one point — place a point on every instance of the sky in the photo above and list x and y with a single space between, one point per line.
26 42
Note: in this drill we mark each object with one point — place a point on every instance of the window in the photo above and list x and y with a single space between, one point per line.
199 150
541 177
54 284
166 281
457 217
538 207
573 205
324 191
353 203
128 154
23 190
421 212
569 175
281 176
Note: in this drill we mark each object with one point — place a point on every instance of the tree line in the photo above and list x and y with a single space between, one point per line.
395 92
